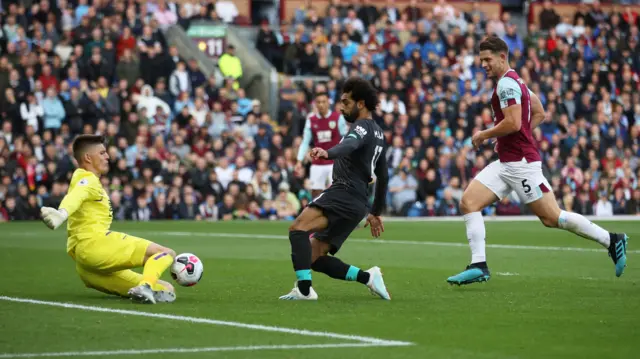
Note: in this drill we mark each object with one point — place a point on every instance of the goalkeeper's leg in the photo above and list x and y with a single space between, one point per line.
120 282
156 260
116 252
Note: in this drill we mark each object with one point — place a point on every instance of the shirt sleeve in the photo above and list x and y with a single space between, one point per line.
306 140
84 190
382 186
342 126
509 92
359 131
355 139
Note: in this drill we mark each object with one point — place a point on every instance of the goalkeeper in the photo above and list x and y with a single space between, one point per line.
104 258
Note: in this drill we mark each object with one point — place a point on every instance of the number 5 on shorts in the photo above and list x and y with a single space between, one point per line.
526 187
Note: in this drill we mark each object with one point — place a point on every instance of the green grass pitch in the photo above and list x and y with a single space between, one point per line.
547 298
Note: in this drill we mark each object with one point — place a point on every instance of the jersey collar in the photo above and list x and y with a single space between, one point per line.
505 74
325 117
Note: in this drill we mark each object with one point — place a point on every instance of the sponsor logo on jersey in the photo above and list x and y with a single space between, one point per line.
360 131
324 136
506 94
378 135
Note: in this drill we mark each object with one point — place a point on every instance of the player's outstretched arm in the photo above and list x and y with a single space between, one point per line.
53 218
354 140
537 110
379 202
344 148
306 140
343 127
382 186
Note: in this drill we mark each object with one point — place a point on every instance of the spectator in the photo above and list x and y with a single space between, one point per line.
141 210
150 103
429 186
209 210
633 205
507 208
188 209
196 76
430 209
53 111
226 209
164 15
267 42
48 79
117 76
582 205
31 112
226 10
128 67
548 18
513 40
283 205
230 65
603 208
402 188
160 208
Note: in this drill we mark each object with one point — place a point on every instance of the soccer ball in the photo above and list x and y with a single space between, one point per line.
187 269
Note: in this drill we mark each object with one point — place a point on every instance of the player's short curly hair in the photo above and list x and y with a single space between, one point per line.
362 90
83 142
494 44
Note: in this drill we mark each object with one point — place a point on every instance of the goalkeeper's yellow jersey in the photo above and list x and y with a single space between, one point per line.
89 209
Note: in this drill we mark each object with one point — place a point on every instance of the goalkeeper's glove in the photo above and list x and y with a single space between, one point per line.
52 217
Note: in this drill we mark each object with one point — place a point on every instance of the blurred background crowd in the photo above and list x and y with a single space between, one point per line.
184 146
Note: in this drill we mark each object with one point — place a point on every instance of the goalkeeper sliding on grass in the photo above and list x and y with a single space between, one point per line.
104 258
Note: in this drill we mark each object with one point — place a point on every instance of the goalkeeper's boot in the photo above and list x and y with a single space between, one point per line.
142 294
164 296
618 251
376 283
296 295
475 272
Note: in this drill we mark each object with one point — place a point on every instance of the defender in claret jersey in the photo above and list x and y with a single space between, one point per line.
104 258
517 111
324 128
336 212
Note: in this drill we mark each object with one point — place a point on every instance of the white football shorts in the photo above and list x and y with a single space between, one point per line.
321 176
525 178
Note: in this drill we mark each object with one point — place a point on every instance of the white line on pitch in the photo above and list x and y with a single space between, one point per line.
188 350
357 240
266 328
380 241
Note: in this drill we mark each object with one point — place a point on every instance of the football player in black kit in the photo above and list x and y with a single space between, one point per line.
337 211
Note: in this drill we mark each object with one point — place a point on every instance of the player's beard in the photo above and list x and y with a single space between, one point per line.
352 116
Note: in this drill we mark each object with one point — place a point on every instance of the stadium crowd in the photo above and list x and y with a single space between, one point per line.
182 147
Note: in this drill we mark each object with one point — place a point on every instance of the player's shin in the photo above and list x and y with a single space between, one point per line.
583 227
476 235
337 269
301 258
154 267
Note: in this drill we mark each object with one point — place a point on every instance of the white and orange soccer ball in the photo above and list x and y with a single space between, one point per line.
187 269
